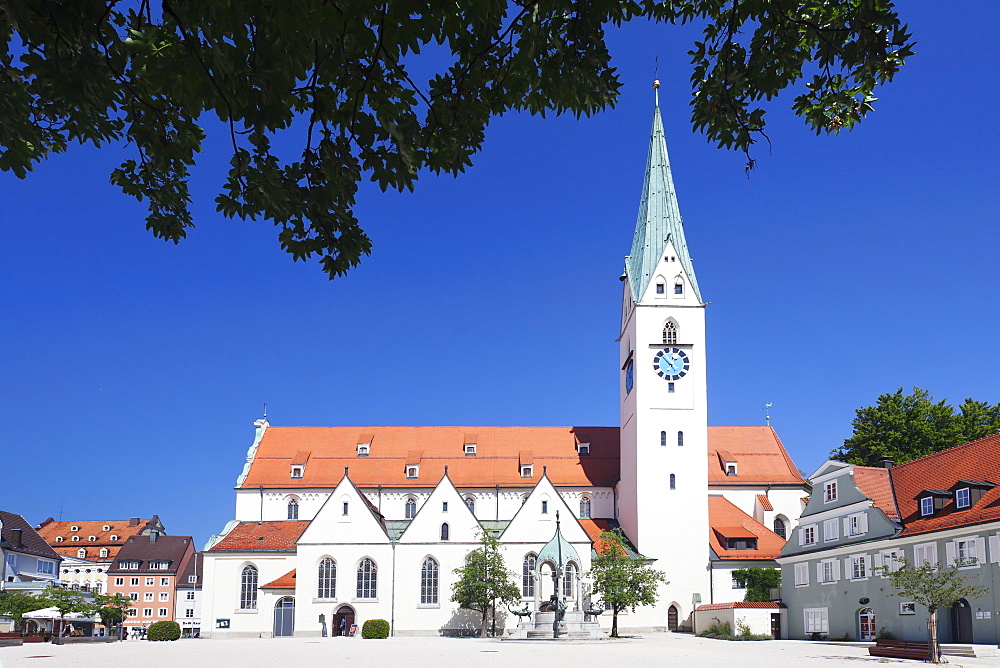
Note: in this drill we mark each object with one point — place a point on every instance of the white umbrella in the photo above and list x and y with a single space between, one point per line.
53 613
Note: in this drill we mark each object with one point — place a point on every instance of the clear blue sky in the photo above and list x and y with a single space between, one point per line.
843 268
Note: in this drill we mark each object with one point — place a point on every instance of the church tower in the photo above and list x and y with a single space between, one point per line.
663 499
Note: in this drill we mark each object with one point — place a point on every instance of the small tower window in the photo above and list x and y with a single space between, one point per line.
585 508
670 333
779 527
444 506
470 503
663 438
670 387
680 438
660 288
545 507
673 481
444 531
629 377
679 287
346 506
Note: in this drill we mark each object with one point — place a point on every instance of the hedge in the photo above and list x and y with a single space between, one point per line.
375 628
164 631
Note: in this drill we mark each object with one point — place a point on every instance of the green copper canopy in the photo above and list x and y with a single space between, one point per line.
552 549
659 219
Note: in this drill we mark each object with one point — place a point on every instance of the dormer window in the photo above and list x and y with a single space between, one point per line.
962 498
296 471
74 528
363 449
81 553
731 470
830 491
91 538
470 449
527 470
59 539
741 543
413 472
583 449
106 527
104 552
113 537
927 506
75 538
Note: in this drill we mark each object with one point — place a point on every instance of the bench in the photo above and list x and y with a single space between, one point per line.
901 649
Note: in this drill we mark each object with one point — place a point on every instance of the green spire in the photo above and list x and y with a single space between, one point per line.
659 218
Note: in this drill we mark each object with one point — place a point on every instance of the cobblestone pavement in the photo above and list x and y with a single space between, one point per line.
651 650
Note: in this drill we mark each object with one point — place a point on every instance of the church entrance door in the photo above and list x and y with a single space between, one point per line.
343 619
284 617
672 618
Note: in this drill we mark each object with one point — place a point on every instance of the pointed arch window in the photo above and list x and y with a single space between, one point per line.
444 531
470 503
680 438
585 507
663 438
670 333
673 481
367 579
569 579
429 582
527 576
779 527
248 588
327 579
293 509
411 508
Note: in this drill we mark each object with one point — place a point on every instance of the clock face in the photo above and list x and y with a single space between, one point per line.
671 363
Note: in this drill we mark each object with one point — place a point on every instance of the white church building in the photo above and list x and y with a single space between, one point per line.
337 525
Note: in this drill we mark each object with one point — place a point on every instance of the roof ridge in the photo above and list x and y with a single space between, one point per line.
947 450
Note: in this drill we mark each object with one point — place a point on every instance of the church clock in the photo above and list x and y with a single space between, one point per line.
671 363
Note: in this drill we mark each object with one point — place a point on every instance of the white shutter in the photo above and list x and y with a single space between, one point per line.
863 523
995 549
919 555
848 571
802 537
847 526
980 550
932 553
877 560
836 570
949 550
819 572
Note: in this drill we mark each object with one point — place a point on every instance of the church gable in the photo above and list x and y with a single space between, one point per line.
345 517
443 517
535 522
670 283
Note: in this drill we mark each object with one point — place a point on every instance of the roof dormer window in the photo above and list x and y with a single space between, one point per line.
830 491
363 449
113 537
413 472
583 449
731 469
927 506
75 538
106 527
59 539
962 498
527 470
296 471
74 528
470 449
91 538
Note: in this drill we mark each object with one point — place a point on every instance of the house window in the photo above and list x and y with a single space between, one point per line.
367 579
163 612
133 612
133 596
673 481
585 508
583 449
46 567
807 535
527 577
106 527
113 537
926 506
164 596
962 498
119 582
134 582
891 560
857 525
816 620
779 527
190 596
193 579
828 570
670 333
801 575
569 577
925 553
663 439
327 579
660 288
680 438
965 553
412 472
444 531
296 471
104 553
147 612
831 530
150 582
741 543
59 539
74 528
629 377
148 596
248 588
363 449
164 582
859 570
545 507
736 583
189 613
429 582
470 503
526 470
411 508
470 451
293 509
830 491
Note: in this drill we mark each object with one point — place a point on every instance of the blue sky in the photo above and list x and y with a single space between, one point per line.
843 268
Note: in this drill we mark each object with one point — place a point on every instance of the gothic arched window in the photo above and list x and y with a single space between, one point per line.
444 531
429 582
248 588
670 333
569 577
663 438
673 481
470 503
585 507
527 578
293 509
779 527
367 579
680 438
411 508
327 579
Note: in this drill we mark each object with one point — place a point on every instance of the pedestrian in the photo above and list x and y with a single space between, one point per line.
343 626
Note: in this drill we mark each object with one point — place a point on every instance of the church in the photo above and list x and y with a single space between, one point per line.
337 525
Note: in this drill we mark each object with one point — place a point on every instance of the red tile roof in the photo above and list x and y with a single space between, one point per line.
286 581
759 455
496 461
261 537
737 604
978 460
50 530
875 484
765 503
724 517
29 541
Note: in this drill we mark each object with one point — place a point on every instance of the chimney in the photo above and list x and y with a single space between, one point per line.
134 522
17 537
887 463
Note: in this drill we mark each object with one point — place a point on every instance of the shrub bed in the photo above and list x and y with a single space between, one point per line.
164 631
375 628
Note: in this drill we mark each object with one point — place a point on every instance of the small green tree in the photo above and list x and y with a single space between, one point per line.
621 581
14 604
932 586
66 601
758 582
484 581
112 609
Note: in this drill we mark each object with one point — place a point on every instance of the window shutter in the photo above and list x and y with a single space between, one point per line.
819 572
980 550
932 553
995 549
848 573
802 536
949 550
836 570
877 560
847 526
863 523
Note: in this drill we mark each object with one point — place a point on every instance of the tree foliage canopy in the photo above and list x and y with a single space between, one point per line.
385 90
619 580
758 582
904 427
14 604
484 581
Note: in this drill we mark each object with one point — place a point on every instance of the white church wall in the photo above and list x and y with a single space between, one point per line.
222 577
